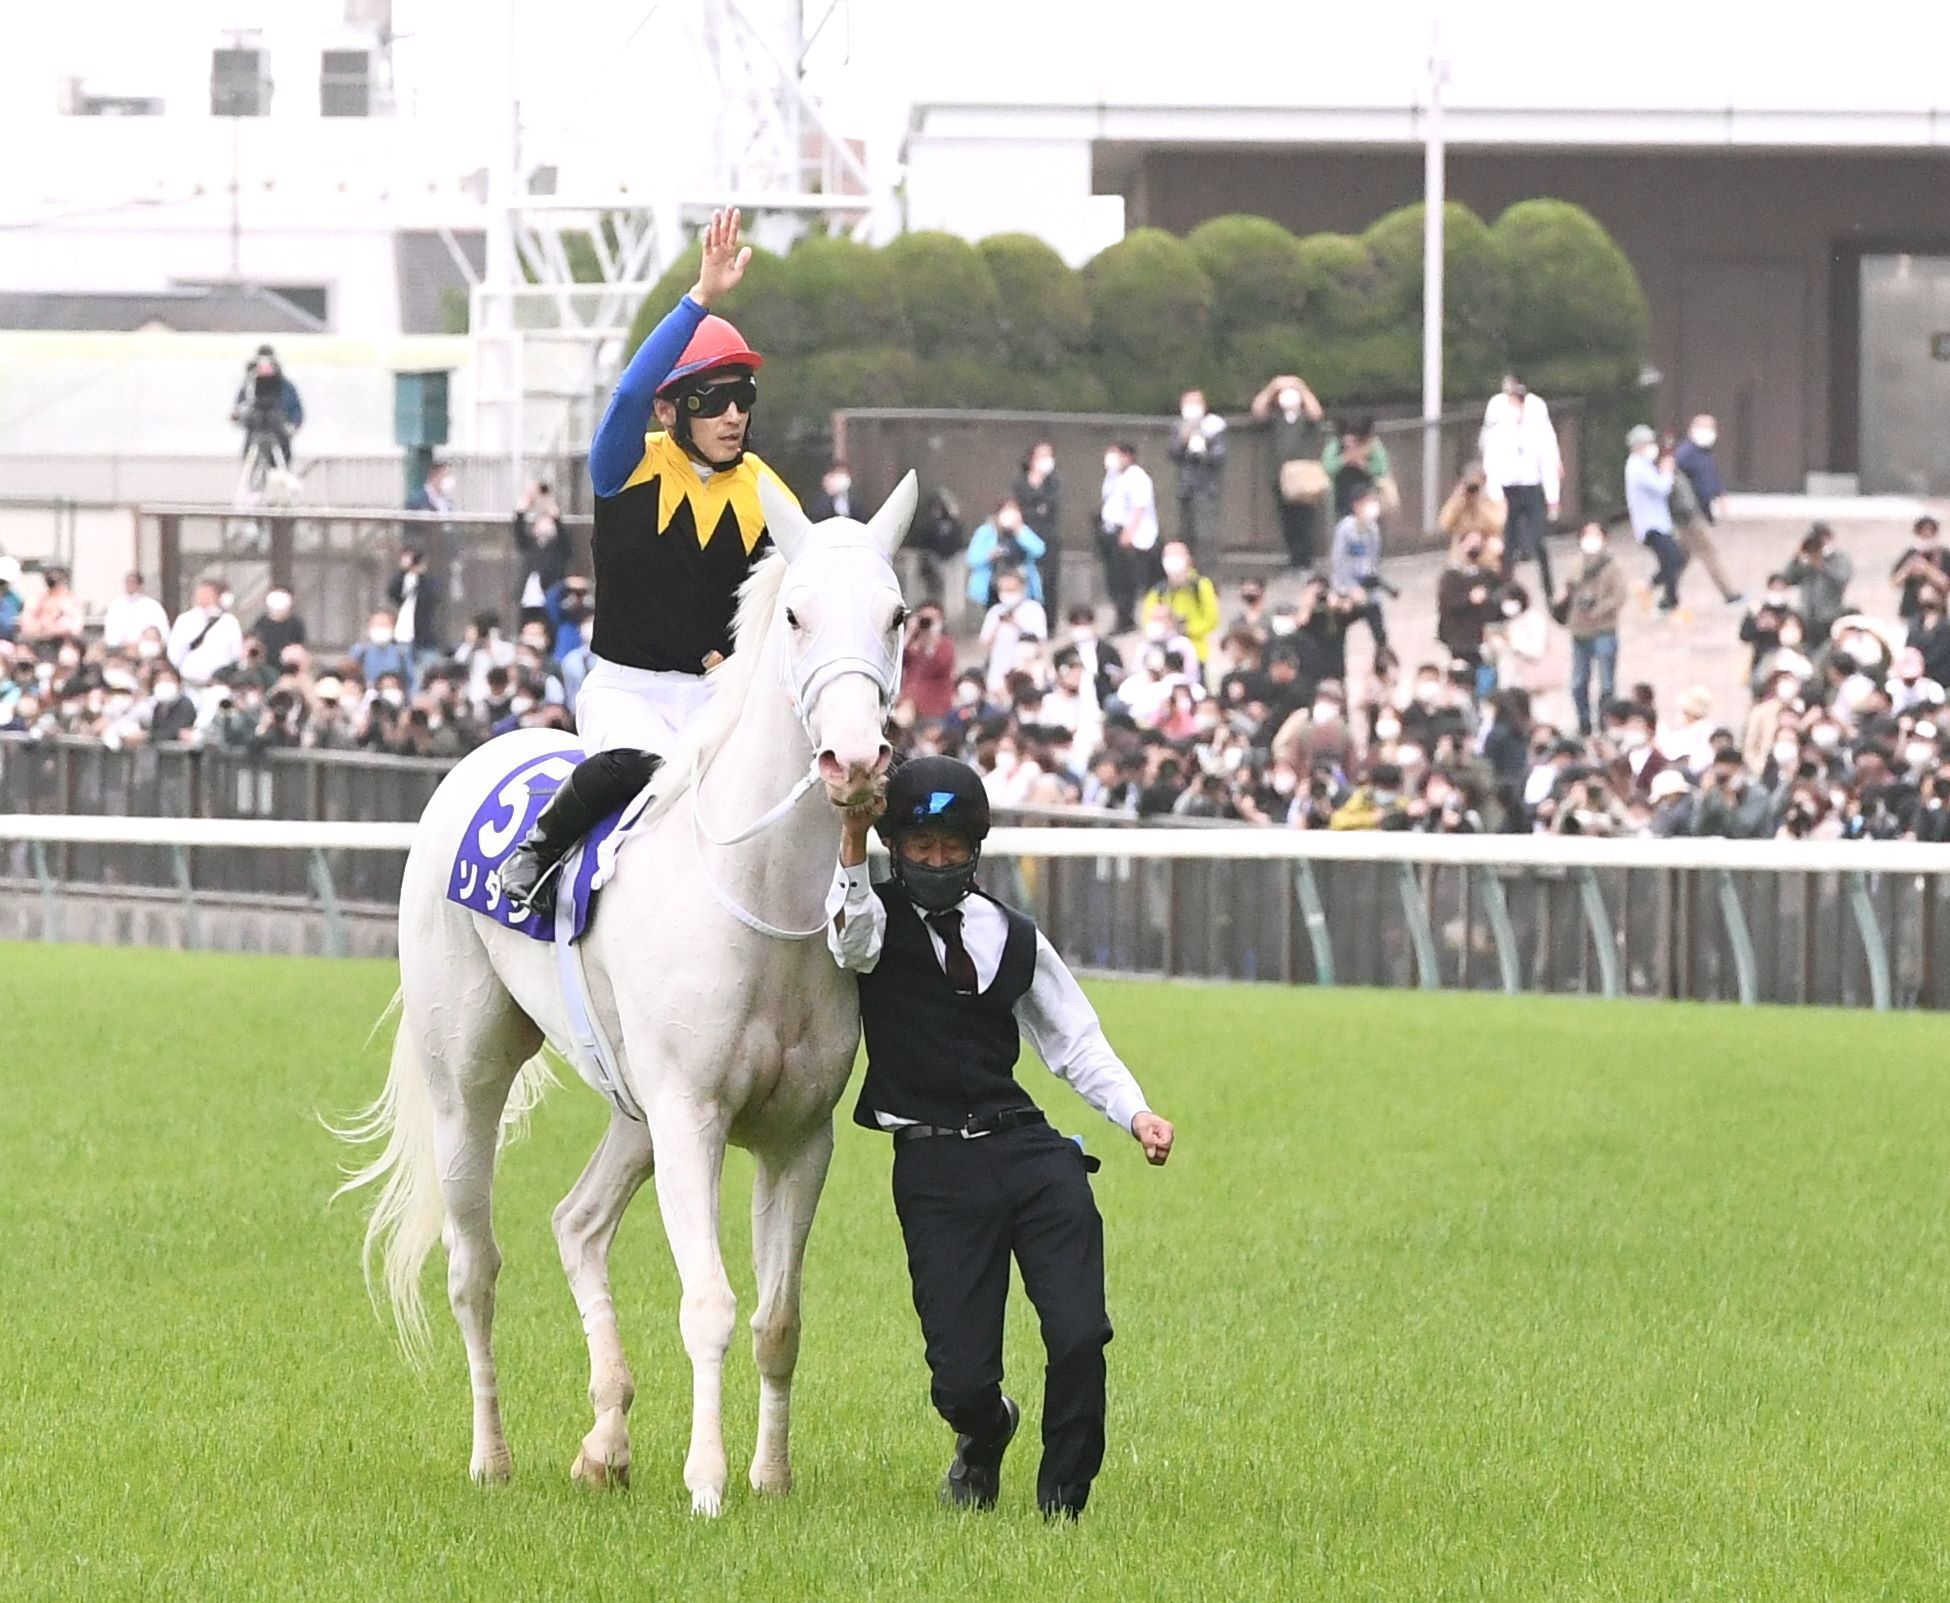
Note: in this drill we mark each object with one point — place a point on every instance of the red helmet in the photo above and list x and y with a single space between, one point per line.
715 344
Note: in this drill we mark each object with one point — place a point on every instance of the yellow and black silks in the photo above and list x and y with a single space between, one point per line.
671 549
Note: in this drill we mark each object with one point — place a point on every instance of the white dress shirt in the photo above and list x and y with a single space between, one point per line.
1054 1013
1519 445
218 640
128 616
1128 495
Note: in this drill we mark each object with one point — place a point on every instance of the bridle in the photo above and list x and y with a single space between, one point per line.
853 652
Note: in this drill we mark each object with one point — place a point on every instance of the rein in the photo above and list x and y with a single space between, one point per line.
804 696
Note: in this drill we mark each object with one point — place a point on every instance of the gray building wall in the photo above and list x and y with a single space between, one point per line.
1748 259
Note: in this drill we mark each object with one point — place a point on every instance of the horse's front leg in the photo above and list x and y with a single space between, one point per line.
585 1225
785 1192
689 1138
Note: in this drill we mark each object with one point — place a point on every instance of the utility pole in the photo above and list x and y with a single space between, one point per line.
1433 199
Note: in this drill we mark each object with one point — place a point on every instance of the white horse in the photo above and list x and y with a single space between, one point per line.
708 970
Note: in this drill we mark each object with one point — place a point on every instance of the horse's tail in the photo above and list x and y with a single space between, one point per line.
407 1218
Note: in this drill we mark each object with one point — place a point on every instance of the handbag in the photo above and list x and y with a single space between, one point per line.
1303 480
1390 493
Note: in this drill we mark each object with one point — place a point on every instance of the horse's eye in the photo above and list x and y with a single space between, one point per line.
791 618
901 615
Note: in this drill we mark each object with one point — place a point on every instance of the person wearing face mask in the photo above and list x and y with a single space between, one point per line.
1520 455
379 652
835 498
1909 686
1590 608
171 715
1692 519
1188 597
1923 567
949 979
1016 618
133 611
1292 413
1648 498
1038 491
278 625
1004 541
1354 568
1772 719
1694 458
206 639
1127 530
1823 571
1198 446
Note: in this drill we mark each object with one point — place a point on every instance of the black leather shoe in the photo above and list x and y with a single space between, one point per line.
974 1479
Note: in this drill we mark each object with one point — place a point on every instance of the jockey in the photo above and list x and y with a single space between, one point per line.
678 526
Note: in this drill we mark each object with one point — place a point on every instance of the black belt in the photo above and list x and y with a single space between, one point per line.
972 1127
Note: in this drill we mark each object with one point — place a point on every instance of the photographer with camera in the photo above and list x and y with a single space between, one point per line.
1472 508
1823 571
1014 621
1190 598
928 663
1730 804
1355 565
1589 805
267 404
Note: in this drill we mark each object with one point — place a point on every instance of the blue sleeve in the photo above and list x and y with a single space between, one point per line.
1031 541
981 547
294 409
618 445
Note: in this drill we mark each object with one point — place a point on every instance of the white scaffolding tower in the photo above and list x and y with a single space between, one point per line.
567 270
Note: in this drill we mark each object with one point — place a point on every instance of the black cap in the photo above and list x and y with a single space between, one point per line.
941 791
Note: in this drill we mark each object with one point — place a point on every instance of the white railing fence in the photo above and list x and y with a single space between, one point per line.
1853 923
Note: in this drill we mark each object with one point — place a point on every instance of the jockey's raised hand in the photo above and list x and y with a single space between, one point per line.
725 260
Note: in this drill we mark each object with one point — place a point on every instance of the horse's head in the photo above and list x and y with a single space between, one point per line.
841 612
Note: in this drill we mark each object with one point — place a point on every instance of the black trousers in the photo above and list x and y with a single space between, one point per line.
1299 528
1128 573
1524 529
964 1207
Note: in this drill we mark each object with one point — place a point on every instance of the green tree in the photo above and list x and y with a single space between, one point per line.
1346 291
1150 311
842 295
1043 310
1475 290
1257 271
1580 296
946 293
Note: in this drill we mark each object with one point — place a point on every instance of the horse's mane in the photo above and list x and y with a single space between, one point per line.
758 600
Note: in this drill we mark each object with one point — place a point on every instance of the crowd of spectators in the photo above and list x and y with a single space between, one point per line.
1176 709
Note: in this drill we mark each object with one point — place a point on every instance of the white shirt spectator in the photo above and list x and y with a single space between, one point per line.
1128 495
1004 630
205 642
128 616
1519 445
1908 695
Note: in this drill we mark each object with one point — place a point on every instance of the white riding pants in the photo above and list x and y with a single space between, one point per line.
636 708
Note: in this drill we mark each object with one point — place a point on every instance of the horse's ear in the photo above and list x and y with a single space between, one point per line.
889 525
790 529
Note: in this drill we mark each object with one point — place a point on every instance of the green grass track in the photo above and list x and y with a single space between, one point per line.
1442 1297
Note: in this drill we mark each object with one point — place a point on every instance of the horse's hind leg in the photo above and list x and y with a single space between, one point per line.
585 1225
785 1191
469 1079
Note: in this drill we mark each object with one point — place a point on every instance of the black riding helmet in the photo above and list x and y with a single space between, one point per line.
942 793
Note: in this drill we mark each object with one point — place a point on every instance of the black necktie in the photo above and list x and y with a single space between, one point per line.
960 966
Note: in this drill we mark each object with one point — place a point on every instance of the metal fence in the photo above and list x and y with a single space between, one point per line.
337 561
1858 926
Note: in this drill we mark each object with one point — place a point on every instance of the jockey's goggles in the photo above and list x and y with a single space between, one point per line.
714 400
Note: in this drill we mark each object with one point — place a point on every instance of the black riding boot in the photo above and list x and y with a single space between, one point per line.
600 785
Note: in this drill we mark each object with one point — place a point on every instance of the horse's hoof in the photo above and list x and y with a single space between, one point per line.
707 1501
771 1480
492 1469
601 1474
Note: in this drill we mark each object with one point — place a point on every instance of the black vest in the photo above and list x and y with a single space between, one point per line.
933 1055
